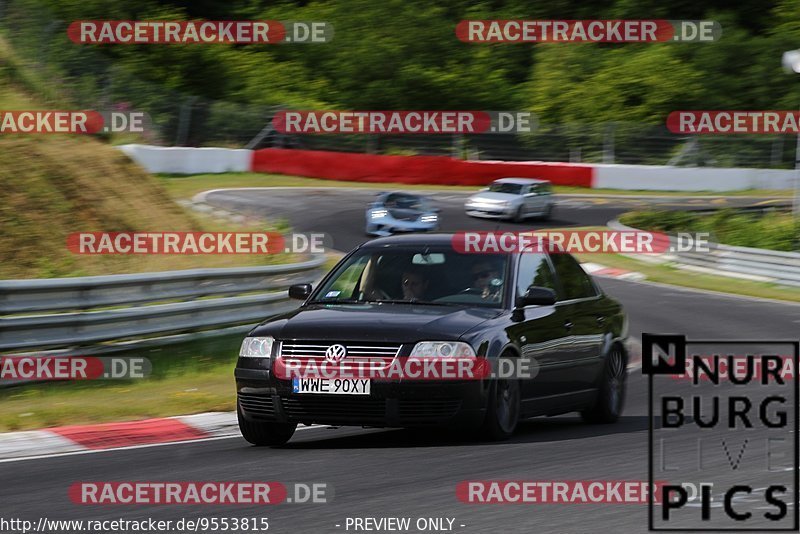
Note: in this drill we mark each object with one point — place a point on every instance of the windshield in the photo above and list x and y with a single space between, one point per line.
512 189
418 275
407 202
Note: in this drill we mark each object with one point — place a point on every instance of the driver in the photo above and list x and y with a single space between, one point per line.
415 284
486 279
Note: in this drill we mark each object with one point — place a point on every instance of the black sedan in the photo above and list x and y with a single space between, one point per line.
394 298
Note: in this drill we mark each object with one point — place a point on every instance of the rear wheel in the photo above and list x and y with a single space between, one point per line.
265 433
502 413
611 394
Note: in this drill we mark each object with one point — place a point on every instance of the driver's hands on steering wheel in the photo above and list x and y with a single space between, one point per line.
492 295
377 293
472 291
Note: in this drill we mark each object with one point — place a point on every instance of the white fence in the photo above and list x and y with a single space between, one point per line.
189 160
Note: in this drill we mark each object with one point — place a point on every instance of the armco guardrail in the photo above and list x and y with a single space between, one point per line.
70 309
739 262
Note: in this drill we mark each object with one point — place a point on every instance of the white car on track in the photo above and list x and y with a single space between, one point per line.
513 198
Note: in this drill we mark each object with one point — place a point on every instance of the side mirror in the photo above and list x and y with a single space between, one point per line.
537 296
300 291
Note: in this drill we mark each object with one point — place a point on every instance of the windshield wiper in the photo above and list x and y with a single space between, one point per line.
387 301
336 301
424 302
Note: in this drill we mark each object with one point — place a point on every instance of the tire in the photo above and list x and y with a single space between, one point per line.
547 213
502 412
611 393
264 433
518 216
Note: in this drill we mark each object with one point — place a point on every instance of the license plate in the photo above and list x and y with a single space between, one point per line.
331 386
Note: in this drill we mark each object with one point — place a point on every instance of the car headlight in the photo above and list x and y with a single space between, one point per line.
378 214
429 218
256 347
442 349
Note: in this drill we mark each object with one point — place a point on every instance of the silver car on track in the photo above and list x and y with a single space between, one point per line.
513 198
400 211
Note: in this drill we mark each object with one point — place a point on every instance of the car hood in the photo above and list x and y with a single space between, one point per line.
403 323
488 195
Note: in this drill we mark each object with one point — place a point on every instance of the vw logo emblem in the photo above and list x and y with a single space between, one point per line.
336 353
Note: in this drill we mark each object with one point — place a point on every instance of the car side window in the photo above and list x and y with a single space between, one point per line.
575 283
344 286
534 270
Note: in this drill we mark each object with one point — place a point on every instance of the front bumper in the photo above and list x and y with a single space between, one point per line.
262 397
492 211
388 226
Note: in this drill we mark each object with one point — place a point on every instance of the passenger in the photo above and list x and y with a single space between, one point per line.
415 285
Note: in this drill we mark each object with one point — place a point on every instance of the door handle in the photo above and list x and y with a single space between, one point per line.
568 325
601 319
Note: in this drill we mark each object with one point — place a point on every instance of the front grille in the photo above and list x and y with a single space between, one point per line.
401 216
334 409
260 406
427 410
358 352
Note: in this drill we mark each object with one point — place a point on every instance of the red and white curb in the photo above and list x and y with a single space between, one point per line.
595 269
105 436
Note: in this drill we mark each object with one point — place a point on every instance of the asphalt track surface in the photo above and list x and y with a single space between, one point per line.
340 213
396 473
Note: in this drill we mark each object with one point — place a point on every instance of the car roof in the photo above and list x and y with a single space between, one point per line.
432 239
520 181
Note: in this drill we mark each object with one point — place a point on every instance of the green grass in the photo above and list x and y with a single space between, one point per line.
40 406
190 377
186 186
772 231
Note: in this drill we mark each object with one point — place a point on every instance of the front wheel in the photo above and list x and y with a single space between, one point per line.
519 215
265 433
611 394
502 413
